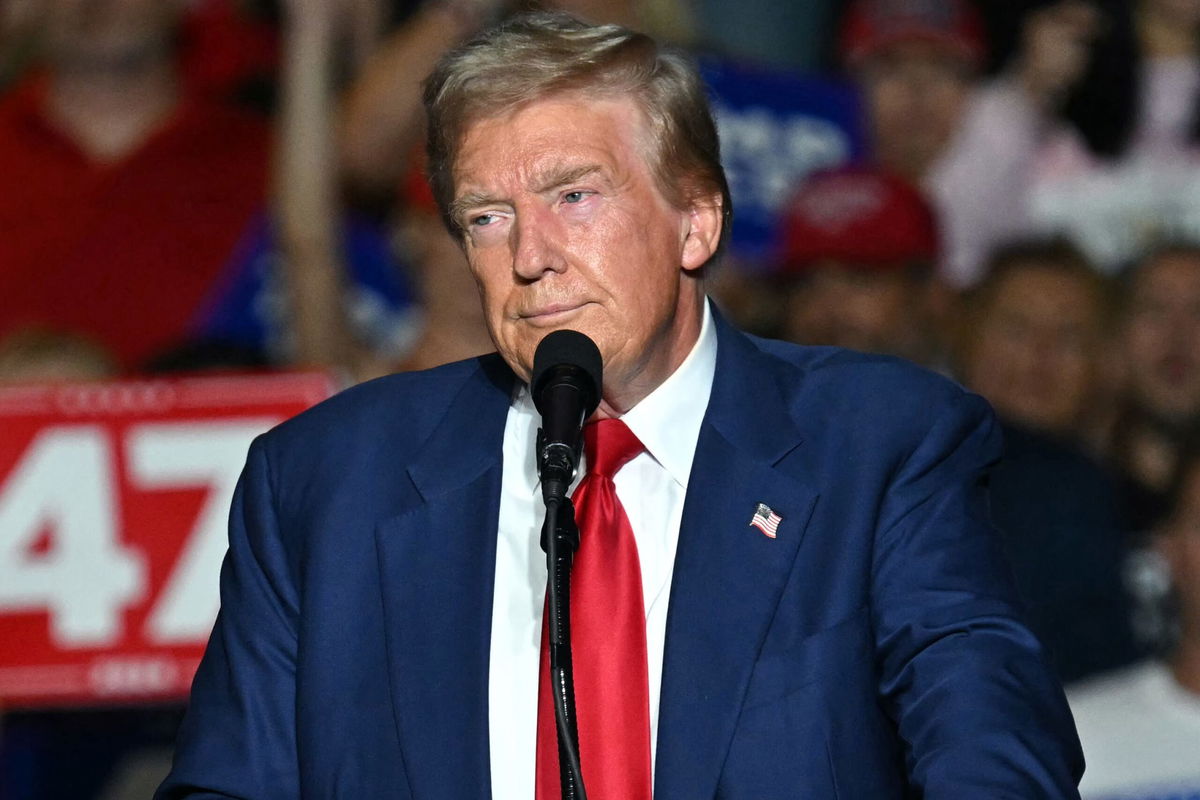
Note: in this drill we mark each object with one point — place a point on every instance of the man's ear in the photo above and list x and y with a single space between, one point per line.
702 231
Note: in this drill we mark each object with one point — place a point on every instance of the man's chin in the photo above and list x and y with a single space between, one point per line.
520 356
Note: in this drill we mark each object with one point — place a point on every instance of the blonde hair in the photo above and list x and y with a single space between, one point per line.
535 55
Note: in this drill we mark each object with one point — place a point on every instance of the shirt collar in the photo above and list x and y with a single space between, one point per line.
667 421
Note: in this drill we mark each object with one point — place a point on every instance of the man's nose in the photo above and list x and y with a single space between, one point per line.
537 243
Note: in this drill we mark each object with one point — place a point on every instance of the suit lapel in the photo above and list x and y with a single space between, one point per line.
728 576
437 562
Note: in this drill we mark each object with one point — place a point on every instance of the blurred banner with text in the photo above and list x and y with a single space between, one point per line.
777 127
114 500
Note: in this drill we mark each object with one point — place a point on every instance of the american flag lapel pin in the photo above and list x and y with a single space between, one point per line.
766 520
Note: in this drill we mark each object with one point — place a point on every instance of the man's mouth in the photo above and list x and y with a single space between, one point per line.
549 314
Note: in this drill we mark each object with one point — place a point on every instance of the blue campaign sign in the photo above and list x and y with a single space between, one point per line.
777 128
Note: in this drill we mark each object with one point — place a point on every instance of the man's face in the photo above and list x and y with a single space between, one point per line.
915 96
1162 338
1035 348
876 312
565 227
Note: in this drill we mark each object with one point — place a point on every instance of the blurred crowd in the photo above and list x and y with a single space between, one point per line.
199 185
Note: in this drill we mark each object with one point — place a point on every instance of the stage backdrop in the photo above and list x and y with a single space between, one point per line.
114 500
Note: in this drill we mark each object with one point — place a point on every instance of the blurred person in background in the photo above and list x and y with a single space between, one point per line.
1031 342
1159 346
916 62
1157 409
1032 337
857 266
125 193
1140 727
1090 131
138 212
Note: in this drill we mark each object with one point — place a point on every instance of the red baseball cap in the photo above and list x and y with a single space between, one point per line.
871 26
861 218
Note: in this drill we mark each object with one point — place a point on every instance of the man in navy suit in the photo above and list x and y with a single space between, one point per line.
381 600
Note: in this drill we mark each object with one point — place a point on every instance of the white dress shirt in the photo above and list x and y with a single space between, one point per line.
651 487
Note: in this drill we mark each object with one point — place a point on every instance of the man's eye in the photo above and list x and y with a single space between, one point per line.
481 220
574 197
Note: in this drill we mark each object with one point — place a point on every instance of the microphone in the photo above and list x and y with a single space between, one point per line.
566 390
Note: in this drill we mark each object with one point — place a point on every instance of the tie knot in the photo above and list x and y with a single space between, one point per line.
609 445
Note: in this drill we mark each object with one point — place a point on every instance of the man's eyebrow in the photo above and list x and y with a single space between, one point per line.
557 177
550 179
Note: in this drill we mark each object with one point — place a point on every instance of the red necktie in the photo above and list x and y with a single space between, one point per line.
608 637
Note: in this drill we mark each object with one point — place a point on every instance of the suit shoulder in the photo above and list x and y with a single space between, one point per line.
867 381
856 402
409 403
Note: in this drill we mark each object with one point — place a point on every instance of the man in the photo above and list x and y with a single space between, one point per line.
1033 335
916 62
859 251
838 621
1159 344
1158 410
127 191
1032 339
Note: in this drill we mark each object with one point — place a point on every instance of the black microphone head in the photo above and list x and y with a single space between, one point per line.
570 355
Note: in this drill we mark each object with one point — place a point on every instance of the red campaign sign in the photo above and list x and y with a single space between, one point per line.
114 500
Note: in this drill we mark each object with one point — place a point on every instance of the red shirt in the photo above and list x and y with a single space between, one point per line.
123 253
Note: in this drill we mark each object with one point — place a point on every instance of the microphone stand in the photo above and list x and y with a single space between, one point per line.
565 383
560 540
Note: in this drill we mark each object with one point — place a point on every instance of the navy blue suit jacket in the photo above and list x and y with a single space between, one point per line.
872 650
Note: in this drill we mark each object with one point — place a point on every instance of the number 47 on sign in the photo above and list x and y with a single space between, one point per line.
113 507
